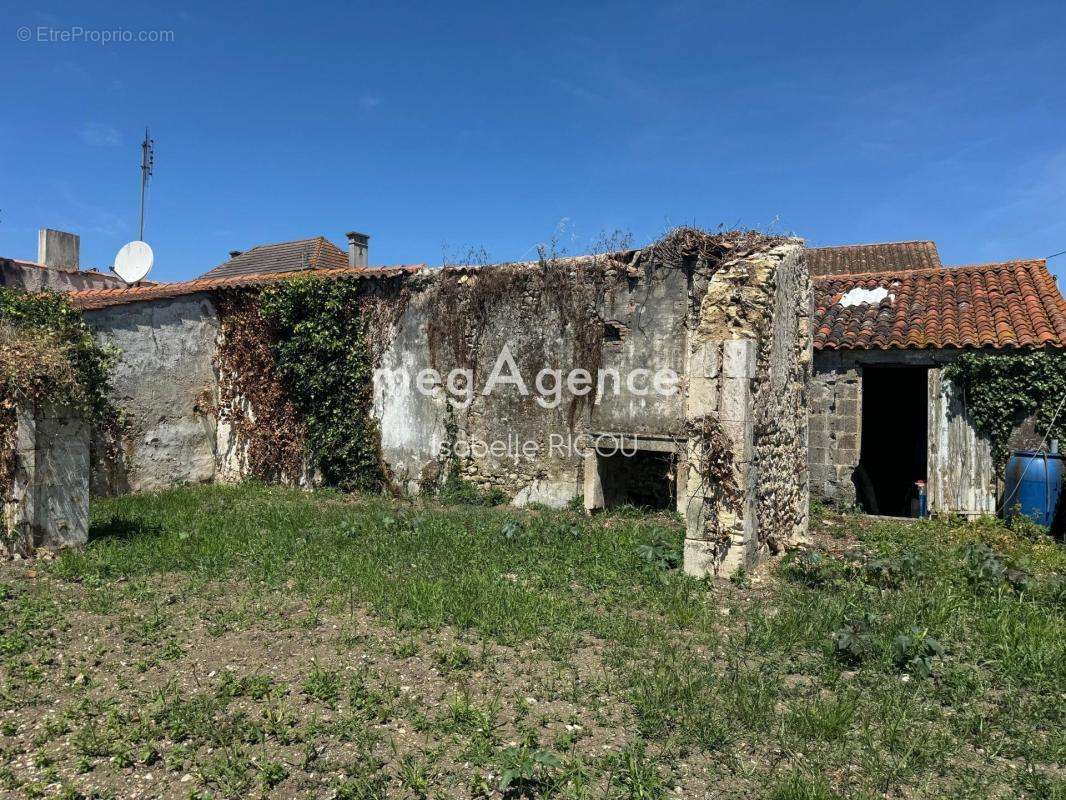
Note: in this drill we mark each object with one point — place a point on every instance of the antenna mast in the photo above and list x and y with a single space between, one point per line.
147 163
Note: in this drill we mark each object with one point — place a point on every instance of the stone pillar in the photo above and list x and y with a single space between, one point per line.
62 480
19 506
48 505
735 412
748 360
593 487
720 534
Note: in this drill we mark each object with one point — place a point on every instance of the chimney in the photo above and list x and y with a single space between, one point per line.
235 253
358 247
58 249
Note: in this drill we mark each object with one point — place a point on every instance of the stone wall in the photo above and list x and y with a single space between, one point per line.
36 278
961 475
166 386
48 503
749 362
648 312
836 414
731 324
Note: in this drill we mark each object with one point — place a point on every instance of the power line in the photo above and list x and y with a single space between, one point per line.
1061 252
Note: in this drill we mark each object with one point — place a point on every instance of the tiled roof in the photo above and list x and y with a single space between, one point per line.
1014 304
103 298
857 258
316 253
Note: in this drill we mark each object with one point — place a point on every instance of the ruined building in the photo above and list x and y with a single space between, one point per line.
724 443
680 375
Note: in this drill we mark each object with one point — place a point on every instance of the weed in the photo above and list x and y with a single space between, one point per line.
256 687
914 651
854 642
527 772
636 774
741 579
801 786
659 554
452 659
323 685
815 570
825 719
511 530
892 571
271 773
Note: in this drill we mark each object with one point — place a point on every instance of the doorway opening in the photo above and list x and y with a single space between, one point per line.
895 439
645 479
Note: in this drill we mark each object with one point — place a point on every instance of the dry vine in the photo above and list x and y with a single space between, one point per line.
252 398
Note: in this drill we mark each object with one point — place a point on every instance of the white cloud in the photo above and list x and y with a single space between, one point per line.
98 134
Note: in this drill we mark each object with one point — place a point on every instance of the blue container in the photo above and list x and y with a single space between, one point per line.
1034 481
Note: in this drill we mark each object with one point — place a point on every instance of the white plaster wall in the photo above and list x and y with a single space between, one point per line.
166 385
412 424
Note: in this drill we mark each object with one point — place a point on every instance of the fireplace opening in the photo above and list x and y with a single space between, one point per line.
645 479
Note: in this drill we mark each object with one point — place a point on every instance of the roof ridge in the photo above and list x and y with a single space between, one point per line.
872 244
989 266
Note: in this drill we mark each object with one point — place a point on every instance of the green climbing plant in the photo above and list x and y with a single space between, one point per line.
73 369
325 360
1001 390
48 355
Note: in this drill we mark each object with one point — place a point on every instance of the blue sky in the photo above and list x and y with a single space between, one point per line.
438 127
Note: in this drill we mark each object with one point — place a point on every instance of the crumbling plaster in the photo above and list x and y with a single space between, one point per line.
736 334
166 386
48 503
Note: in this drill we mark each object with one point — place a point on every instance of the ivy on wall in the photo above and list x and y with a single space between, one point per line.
324 354
252 397
1000 391
555 298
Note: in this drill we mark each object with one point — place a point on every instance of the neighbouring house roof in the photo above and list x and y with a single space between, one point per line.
858 258
1010 305
302 254
103 298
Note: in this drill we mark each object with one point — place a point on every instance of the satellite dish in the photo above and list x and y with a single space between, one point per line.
134 261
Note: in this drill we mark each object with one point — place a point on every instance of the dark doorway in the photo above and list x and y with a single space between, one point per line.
895 438
645 479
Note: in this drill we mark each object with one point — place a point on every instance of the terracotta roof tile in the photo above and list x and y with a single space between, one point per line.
884 257
103 298
315 253
1009 305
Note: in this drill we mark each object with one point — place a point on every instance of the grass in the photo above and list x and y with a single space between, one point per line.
257 641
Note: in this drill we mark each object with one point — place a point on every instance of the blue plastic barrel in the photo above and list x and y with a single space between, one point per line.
1034 481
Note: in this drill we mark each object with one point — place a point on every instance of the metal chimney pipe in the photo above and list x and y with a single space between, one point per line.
358 249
